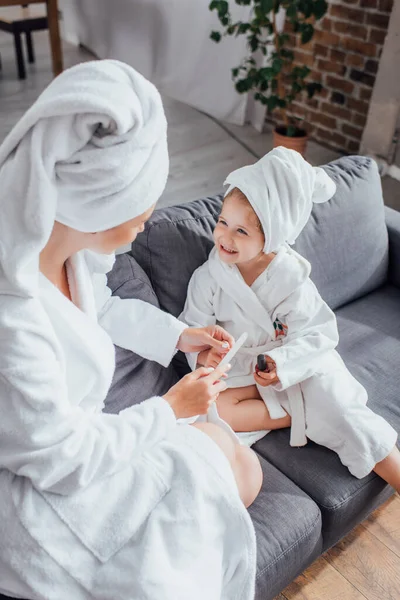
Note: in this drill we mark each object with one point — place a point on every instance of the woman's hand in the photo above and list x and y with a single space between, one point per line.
197 339
194 393
269 377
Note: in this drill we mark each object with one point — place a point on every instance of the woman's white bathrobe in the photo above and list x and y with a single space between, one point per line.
92 505
286 319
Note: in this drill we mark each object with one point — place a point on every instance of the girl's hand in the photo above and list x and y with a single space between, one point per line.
269 377
212 357
197 339
194 393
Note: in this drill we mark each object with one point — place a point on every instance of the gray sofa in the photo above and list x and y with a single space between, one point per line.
308 500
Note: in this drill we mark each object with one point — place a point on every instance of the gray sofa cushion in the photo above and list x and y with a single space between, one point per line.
370 345
393 226
288 531
345 239
175 242
135 379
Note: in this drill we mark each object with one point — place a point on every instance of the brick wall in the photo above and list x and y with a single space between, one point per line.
344 56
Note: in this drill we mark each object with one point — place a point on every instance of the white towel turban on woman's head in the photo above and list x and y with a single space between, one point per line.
90 153
282 187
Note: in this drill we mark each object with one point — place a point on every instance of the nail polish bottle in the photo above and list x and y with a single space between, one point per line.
261 363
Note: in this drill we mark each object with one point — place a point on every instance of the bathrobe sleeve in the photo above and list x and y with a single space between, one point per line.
311 333
136 325
199 307
59 446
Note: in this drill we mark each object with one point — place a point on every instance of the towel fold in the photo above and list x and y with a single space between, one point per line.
90 153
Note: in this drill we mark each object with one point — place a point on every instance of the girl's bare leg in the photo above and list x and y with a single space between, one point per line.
244 410
244 462
389 469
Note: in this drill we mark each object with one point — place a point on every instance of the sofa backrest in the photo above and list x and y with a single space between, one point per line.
345 239
135 378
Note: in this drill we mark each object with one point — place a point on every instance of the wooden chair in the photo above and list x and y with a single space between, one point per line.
18 26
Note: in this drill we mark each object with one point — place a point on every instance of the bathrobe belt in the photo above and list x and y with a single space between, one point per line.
295 397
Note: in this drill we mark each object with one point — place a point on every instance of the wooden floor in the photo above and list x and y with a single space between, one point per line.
363 566
366 565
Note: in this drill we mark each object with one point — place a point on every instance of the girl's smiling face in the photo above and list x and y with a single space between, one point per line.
238 234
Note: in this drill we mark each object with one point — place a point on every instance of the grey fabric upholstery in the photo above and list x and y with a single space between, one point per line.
345 239
135 379
393 226
175 242
370 346
284 545
337 239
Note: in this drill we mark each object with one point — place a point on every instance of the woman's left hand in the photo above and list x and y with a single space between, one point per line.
196 339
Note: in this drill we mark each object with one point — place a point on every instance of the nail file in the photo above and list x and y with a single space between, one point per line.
235 348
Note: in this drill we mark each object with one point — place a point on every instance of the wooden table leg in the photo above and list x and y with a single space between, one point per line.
54 33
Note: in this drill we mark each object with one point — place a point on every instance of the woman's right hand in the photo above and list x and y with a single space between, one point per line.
194 393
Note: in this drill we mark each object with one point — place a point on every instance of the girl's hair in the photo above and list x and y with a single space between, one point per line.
240 196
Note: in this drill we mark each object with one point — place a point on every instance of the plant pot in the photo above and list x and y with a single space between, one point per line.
298 142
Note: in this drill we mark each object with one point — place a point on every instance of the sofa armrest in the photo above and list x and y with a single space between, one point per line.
393 225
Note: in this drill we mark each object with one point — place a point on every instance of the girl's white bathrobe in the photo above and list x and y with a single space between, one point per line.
127 507
286 319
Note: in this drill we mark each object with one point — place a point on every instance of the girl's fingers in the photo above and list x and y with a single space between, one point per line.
267 376
263 381
259 380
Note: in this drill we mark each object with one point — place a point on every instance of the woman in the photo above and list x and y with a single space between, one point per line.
95 505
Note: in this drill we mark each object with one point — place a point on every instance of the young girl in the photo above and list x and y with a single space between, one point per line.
254 282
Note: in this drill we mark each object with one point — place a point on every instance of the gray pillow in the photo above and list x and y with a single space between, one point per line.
345 239
175 242
135 378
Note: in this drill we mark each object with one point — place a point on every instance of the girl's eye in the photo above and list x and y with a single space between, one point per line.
242 231
222 222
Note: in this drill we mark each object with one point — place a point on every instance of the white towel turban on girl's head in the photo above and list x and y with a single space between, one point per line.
282 187
91 153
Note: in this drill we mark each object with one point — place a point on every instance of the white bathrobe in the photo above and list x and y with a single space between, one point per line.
286 319
104 506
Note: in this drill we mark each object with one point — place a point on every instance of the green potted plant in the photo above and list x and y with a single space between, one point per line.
279 79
